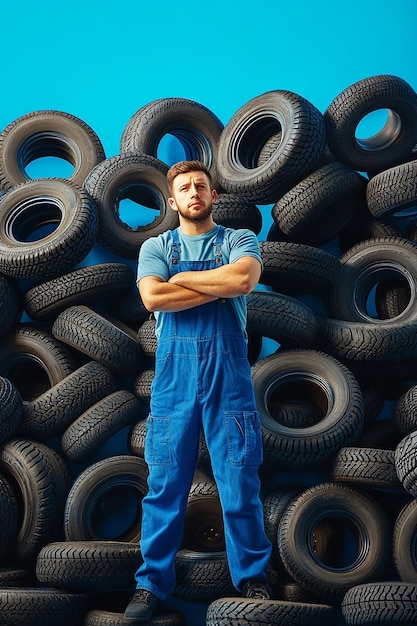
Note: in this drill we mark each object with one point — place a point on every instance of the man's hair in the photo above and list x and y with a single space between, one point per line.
182 167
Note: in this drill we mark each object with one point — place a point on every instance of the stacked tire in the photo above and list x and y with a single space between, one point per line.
332 344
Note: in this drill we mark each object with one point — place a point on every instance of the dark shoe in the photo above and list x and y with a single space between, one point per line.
142 606
257 590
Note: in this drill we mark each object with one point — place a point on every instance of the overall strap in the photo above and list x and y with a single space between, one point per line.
218 258
176 247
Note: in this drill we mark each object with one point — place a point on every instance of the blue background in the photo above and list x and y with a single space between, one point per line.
102 60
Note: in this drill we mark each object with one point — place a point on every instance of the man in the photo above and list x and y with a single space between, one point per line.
195 279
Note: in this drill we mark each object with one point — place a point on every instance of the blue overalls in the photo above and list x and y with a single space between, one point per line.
202 380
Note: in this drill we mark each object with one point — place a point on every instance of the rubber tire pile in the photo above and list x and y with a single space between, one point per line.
332 345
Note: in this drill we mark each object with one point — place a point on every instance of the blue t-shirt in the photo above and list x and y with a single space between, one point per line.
155 252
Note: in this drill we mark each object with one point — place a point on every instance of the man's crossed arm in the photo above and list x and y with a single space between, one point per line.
190 289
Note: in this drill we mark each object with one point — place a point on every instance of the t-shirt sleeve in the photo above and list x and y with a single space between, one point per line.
152 259
243 242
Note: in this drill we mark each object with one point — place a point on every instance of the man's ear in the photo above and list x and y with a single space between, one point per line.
172 204
214 195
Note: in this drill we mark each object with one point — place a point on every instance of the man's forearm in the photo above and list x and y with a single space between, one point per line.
227 281
165 296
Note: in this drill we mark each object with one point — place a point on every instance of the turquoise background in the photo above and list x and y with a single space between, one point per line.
102 60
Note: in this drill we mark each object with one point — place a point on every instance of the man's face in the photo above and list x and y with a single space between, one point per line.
192 196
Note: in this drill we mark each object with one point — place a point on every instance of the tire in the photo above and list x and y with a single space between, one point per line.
232 211
81 286
129 309
238 612
95 336
88 565
404 542
280 317
196 128
202 576
42 481
147 337
142 385
392 143
392 192
365 342
406 463
301 145
203 524
405 411
41 607
274 506
137 439
312 535
9 515
293 592
296 268
47 133
98 423
137 177
380 603
16 577
110 490
366 467
322 382
317 209
11 409
30 207
106 618
34 361
53 411
370 264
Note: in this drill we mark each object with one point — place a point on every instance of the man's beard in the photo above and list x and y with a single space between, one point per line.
195 217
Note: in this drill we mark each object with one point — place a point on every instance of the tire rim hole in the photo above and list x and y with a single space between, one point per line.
384 292
203 530
35 219
285 406
49 152
184 144
338 542
251 144
29 376
117 514
46 167
378 130
137 203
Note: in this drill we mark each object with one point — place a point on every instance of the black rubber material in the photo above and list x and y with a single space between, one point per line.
302 141
311 378
310 539
392 143
140 178
45 203
99 338
47 133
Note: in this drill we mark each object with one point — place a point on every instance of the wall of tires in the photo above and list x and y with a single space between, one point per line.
332 330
